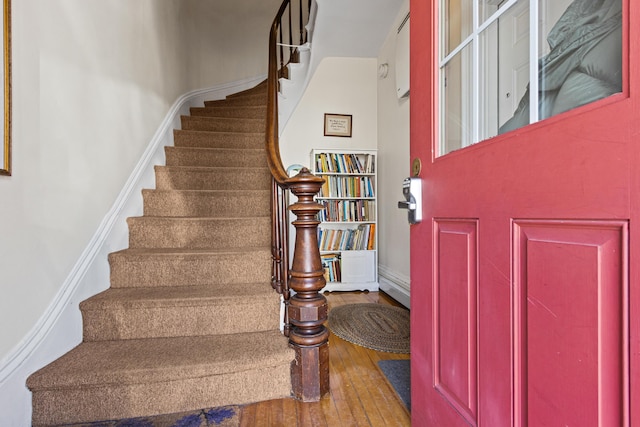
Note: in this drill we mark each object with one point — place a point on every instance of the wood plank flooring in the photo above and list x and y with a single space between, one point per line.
360 395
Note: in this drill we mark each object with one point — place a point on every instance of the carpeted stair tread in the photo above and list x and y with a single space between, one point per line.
205 139
212 178
131 378
198 232
132 313
144 267
249 112
211 157
187 252
212 203
162 359
222 124
185 296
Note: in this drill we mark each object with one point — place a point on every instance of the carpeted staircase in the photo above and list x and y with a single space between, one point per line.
190 320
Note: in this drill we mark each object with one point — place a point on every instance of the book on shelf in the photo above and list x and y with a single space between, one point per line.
332 268
347 210
372 234
347 186
348 239
344 163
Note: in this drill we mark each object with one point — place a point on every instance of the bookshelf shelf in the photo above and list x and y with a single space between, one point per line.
345 198
347 234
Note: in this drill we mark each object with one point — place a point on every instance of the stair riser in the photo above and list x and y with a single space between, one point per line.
250 100
222 269
208 179
216 124
199 139
179 156
149 232
108 402
205 204
179 321
247 112
260 89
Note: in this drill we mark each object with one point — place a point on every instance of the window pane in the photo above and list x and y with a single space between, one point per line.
486 8
490 80
581 54
580 57
578 61
457 22
456 79
513 67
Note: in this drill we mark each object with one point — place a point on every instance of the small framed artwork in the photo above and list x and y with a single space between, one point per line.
5 152
337 125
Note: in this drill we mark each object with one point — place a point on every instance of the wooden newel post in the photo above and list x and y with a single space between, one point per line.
308 308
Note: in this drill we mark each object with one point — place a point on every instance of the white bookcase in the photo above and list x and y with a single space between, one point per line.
348 230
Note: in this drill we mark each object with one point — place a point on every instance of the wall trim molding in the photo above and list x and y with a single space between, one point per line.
107 237
397 285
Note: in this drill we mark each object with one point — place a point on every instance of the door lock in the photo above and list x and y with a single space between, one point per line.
412 192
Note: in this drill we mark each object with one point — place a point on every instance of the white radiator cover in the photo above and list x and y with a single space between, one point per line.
402 59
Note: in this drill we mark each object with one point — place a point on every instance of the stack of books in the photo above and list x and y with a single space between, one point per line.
350 239
344 163
347 186
347 210
331 265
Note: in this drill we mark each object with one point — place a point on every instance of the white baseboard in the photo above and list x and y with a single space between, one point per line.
396 285
59 329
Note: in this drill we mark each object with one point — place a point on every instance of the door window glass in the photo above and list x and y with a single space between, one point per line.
458 25
457 93
486 8
495 64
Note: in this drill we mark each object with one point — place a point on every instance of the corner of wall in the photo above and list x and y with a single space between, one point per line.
395 285
394 160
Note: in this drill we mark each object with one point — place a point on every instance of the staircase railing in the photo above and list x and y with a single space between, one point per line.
306 308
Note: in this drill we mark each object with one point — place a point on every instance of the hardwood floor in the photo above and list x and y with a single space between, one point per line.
360 395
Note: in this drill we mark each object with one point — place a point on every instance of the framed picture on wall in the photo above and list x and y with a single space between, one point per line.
5 152
337 125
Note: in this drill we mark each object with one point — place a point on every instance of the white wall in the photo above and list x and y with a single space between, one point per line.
92 82
380 121
339 86
227 39
394 166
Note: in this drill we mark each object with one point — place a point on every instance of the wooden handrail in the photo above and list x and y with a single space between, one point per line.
273 149
306 311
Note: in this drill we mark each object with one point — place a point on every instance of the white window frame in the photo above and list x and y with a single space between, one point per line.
473 40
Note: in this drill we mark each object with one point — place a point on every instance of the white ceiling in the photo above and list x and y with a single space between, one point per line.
353 28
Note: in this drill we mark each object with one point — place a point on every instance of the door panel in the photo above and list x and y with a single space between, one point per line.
570 288
534 230
455 314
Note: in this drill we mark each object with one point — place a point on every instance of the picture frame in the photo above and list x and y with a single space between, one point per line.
5 153
337 125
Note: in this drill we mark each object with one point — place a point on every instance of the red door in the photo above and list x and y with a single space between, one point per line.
525 271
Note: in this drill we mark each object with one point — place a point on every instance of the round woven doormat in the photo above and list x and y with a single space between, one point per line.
375 326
